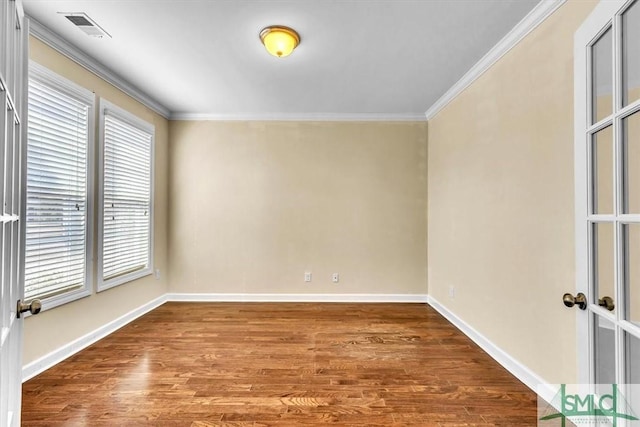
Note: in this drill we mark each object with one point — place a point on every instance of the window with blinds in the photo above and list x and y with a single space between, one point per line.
126 197
57 207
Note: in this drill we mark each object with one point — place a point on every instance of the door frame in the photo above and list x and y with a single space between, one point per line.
13 126
591 29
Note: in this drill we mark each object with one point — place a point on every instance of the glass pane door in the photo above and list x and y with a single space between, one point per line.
613 144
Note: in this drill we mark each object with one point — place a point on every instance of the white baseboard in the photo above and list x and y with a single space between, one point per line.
224 297
532 380
34 368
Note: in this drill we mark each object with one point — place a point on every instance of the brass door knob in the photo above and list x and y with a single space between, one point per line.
606 302
33 307
580 300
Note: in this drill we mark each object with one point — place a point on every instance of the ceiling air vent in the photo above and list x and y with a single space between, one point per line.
86 24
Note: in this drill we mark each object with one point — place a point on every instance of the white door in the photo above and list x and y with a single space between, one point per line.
13 63
607 165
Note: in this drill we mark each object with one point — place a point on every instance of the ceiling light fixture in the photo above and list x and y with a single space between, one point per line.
279 41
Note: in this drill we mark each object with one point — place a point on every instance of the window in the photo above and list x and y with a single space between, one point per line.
126 205
58 214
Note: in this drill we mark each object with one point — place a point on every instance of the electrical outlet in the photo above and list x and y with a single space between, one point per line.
157 274
452 292
335 277
307 276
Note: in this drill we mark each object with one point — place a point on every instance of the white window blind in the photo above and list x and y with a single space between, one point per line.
127 197
57 169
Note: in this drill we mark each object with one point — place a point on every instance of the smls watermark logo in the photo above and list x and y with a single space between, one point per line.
596 405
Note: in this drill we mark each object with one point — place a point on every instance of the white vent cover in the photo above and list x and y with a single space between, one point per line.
86 24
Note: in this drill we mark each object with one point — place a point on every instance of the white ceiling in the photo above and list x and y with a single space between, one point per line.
377 57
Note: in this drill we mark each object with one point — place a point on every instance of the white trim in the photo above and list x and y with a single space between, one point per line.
302 117
581 203
363 298
56 82
4 218
52 39
534 18
67 297
110 108
43 363
532 380
104 285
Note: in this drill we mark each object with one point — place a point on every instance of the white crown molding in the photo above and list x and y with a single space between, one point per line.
52 39
361 298
45 362
532 380
302 117
534 18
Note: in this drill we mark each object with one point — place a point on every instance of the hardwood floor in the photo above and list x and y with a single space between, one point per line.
263 364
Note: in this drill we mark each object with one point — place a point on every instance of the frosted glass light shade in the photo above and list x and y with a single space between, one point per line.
279 41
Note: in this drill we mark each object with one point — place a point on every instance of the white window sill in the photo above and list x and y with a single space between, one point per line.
121 280
58 300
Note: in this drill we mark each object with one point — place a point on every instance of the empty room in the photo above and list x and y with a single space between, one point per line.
348 212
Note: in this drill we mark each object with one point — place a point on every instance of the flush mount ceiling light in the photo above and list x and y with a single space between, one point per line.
279 41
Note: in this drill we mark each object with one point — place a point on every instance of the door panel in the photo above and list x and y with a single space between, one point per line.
602 171
631 54
607 164
603 259
13 48
631 236
602 82
604 263
632 347
631 158
605 372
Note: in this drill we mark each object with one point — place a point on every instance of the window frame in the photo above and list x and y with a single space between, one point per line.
49 78
131 119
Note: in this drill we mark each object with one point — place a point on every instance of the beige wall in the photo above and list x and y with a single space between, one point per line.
61 325
501 200
256 204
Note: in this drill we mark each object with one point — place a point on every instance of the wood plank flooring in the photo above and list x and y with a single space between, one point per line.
264 364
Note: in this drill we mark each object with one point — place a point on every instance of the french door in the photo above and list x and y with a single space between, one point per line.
13 63
607 165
